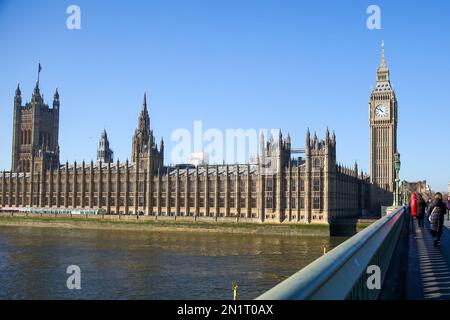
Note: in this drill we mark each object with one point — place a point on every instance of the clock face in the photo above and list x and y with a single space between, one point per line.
381 111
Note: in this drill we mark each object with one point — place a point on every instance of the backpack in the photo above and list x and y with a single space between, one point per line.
434 217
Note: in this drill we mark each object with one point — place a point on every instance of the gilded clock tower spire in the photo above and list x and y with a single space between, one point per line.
383 128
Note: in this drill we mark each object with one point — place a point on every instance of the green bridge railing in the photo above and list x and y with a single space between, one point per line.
343 272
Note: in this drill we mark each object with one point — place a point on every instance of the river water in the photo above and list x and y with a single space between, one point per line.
148 265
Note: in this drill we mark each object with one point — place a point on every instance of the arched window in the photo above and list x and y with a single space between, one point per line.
317 163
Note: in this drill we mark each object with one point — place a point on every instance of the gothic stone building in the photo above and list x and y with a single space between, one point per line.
275 188
35 133
418 187
383 117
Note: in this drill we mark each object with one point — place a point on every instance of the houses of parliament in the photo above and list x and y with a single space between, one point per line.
313 188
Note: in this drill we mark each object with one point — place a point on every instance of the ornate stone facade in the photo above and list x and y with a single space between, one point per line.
35 133
104 152
383 129
276 188
310 189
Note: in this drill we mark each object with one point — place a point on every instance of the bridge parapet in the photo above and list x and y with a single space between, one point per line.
342 272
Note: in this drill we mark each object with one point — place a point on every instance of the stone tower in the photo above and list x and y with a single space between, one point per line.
104 153
145 151
383 129
320 180
35 132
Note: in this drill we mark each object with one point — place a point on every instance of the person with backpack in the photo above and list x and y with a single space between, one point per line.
421 207
436 212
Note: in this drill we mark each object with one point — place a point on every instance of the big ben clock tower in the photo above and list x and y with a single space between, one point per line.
383 129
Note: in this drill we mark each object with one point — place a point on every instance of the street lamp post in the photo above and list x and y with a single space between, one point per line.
397 164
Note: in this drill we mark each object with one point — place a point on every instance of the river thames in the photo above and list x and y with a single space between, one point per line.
148 265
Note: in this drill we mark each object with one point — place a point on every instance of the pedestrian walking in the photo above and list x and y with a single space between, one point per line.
448 208
413 204
436 213
421 207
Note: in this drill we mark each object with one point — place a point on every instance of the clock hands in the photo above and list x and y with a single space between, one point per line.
381 111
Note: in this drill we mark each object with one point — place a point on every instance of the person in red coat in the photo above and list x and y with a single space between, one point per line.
413 204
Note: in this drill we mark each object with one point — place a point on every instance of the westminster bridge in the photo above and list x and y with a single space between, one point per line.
391 259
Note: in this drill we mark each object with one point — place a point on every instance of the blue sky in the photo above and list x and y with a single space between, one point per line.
232 64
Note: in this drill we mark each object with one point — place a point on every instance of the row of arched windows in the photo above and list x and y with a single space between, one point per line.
25 136
25 165
44 138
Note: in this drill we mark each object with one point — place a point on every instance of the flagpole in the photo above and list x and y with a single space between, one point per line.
39 70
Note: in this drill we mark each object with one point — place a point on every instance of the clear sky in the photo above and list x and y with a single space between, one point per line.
232 64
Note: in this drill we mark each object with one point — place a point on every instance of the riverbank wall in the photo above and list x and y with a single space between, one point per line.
180 224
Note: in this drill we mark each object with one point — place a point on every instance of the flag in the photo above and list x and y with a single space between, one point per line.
39 68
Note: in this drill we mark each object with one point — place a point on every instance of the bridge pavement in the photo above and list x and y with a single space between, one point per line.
428 270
